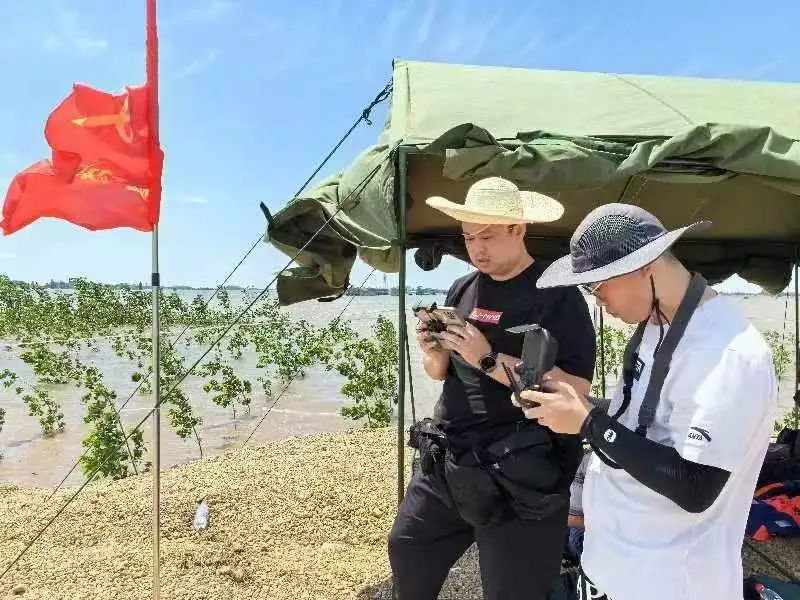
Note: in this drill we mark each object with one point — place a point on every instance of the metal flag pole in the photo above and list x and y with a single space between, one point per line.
151 67
156 425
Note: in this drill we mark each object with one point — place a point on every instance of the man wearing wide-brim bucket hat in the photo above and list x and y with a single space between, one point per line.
678 451
477 437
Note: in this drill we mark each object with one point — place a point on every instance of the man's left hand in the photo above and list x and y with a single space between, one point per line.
562 409
468 341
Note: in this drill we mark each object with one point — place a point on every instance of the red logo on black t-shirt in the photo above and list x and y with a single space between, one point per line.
485 316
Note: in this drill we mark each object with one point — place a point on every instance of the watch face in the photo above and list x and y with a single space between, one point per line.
488 362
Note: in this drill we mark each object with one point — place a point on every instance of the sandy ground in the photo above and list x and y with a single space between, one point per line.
303 518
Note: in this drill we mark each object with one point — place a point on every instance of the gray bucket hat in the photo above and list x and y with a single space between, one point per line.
612 240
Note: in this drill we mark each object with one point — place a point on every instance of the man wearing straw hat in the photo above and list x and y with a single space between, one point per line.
487 474
678 452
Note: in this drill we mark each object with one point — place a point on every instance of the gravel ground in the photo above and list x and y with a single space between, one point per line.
304 518
463 583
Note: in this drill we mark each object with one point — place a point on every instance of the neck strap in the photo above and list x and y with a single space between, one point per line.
663 357
661 361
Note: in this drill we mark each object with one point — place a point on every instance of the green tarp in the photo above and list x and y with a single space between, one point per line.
684 148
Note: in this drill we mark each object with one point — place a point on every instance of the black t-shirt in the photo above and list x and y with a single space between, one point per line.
473 400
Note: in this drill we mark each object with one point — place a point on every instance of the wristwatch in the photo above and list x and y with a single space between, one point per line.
488 362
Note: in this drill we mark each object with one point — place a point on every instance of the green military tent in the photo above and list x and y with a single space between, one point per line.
683 148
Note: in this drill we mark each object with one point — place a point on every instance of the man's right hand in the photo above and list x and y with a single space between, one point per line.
435 353
427 344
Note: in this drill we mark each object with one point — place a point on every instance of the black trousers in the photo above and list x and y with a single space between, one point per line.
518 559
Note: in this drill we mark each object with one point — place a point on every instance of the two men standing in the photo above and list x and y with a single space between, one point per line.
677 453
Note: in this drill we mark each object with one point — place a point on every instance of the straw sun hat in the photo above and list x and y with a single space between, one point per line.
497 201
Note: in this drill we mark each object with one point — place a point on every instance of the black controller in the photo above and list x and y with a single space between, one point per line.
539 350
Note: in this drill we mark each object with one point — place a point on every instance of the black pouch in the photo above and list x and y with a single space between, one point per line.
473 490
527 467
431 442
565 587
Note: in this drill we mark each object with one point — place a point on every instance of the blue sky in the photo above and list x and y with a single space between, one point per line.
254 93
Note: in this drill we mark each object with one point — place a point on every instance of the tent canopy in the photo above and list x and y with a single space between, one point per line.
683 148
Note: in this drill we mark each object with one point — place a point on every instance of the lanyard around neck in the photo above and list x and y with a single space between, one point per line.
661 360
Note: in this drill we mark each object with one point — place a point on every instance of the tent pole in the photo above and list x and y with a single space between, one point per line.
400 205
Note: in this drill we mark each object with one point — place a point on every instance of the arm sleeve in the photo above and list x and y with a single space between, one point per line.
691 485
571 325
603 403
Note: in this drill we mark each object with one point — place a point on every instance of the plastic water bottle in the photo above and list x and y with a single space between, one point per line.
767 594
201 516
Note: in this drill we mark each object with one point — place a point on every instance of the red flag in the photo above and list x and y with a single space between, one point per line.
104 165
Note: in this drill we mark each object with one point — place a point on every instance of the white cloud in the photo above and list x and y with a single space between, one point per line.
51 42
461 37
67 33
9 158
575 36
199 64
213 10
697 66
198 13
425 24
766 69
7 255
89 45
488 30
396 20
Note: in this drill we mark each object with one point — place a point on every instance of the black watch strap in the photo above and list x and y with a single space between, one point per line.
488 362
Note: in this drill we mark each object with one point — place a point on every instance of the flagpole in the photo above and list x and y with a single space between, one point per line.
151 67
156 425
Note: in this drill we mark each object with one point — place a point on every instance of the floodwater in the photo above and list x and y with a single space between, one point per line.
309 405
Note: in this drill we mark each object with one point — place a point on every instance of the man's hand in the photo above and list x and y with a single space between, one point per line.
580 384
562 409
468 341
435 354
428 344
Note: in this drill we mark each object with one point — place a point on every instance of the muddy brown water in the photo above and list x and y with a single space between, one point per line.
309 405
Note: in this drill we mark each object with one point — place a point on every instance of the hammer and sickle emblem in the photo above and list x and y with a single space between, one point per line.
121 121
